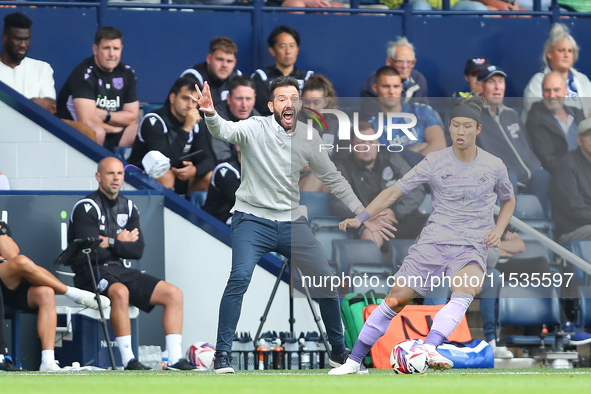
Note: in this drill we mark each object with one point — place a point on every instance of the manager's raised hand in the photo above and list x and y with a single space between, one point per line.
204 99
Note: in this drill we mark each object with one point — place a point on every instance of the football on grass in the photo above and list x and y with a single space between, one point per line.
200 355
409 357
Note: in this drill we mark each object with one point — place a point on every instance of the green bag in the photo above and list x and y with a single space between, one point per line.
352 315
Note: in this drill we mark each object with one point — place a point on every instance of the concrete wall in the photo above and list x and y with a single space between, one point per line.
34 159
200 265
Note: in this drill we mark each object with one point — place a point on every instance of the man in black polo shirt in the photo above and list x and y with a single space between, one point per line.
108 215
238 106
101 92
176 130
221 195
218 69
284 45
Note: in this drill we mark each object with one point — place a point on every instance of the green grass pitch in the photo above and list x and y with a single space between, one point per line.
300 382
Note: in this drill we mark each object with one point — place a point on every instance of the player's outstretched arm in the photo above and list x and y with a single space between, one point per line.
384 200
376 225
493 238
374 211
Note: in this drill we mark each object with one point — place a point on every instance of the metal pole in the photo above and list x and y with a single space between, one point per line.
555 8
407 19
102 13
553 246
257 33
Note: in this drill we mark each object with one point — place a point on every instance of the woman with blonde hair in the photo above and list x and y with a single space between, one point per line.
560 53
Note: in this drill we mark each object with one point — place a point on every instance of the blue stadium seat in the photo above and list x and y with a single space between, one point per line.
150 107
584 318
318 203
15 333
527 206
581 248
529 210
198 198
359 256
398 251
426 207
348 251
376 279
529 305
533 249
325 230
122 152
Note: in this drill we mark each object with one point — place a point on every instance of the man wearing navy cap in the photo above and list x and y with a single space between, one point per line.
473 66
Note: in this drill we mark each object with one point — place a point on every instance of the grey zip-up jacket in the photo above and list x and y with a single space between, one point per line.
504 136
271 165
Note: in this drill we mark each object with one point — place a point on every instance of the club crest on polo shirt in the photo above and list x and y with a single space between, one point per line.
328 138
118 83
387 174
102 285
122 219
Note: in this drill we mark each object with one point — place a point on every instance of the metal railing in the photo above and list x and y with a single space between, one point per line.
550 244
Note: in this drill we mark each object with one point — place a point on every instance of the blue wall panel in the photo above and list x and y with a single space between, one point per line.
159 45
62 37
344 48
444 44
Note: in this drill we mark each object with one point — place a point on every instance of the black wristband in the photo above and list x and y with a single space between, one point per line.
108 117
3 230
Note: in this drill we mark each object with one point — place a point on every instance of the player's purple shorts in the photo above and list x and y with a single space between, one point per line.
426 264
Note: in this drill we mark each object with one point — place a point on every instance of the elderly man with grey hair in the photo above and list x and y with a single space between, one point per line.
401 56
551 124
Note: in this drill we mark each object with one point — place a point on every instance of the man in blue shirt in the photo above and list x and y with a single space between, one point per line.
422 136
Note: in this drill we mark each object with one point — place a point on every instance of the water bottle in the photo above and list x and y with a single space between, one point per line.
291 351
269 340
278 358
311 343
150 356
248 348
236 347
141 354
263 357
157 358
322 355
305 357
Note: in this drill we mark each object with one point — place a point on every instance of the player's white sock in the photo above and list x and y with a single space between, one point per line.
1 358
47 356
73 293
125 348
430 348
174 347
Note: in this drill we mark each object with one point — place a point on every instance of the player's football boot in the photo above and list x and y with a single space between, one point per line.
350 367
437 361
50 367
181 365
135 365
8 365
